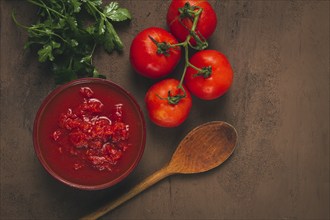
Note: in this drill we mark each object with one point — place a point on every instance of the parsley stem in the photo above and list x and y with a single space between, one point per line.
16 22
92 9
49 14
70 63
91 55
48 33
92 6
34 28
47 8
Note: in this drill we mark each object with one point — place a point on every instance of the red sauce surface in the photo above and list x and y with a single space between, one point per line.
90 133
94 139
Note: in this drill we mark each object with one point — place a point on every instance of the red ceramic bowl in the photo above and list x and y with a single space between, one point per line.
73 168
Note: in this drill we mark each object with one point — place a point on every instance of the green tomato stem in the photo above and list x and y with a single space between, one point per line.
186 45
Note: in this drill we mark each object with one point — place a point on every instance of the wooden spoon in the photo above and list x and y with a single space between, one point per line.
204 148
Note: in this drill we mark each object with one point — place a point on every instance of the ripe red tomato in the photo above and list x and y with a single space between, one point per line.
219 80
144 55
206 24
160 110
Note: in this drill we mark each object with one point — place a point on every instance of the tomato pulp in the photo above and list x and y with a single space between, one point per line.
89 134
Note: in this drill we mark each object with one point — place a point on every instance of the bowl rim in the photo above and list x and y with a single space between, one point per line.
43 106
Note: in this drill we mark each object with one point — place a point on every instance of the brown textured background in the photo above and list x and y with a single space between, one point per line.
279 103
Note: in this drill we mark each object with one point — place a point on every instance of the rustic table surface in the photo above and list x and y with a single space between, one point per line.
279 104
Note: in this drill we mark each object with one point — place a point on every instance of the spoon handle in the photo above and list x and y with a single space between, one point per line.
146 183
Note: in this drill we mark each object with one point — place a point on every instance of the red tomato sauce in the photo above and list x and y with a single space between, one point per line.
93 139
89 134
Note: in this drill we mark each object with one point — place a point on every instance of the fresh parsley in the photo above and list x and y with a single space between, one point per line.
68 31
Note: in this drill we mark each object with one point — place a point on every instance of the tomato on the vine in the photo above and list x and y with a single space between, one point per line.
180 19
167 104
215 78
151 53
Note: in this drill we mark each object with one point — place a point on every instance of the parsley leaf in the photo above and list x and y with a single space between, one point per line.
115 13
113 37
67 42
76 5
46 53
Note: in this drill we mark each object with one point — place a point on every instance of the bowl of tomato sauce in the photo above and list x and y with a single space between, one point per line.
89 133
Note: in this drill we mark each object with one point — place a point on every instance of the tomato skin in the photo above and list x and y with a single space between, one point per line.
160 111
206 24
144 57
220 80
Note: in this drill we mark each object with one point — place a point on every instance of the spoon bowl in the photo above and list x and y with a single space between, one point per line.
204 148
